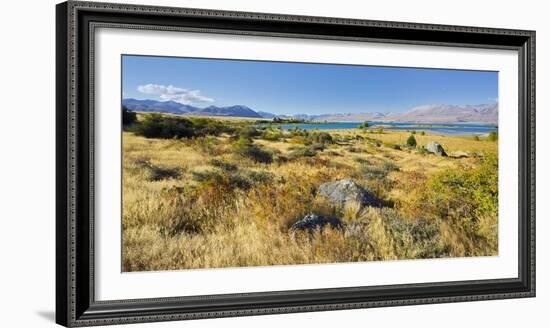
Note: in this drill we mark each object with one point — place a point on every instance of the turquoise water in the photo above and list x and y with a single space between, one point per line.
442 128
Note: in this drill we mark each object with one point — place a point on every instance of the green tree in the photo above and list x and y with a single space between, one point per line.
364 125
411 141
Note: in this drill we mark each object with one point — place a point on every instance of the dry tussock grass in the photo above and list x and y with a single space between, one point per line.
174 221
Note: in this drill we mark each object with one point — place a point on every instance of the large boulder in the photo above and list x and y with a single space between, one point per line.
436 148
312 222
344 191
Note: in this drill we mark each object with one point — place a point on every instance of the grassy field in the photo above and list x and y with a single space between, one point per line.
208 193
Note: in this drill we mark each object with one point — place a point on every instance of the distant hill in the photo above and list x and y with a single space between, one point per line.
173 107
237 110
487 113
484 113
267 115
147 105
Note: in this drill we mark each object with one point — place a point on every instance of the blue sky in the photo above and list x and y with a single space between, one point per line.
291 88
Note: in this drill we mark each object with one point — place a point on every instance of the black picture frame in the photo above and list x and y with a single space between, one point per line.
75 302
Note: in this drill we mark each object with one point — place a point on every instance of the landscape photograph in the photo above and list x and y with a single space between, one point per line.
242 163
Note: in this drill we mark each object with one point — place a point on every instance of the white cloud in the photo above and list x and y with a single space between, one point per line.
170 92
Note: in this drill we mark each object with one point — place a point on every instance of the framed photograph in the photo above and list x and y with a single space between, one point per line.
215 163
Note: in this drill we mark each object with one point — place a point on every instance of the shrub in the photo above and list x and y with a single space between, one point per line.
157 172
168 127
227 181
352 149
493 136
206 126
422 133
226 166
260 176
371 171
317 146
159 126
249 132
230 180
321 137
128 117
411 141
271 135
302 152
468 193
364 125
208 145
391 145
361 160
389 166
466 203
246 148
475 138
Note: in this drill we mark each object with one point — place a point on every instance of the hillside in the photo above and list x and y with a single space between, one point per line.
484 113
172 107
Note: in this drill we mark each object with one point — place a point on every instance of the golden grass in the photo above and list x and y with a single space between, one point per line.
171 221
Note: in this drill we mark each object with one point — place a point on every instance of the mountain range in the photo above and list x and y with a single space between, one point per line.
173 107
439 113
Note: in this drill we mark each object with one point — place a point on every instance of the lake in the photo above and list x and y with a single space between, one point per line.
442 128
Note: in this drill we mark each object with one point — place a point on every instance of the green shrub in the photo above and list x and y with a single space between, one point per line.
246 148
317 146
261 177
206 126
475 138
302 152
158 172
371 171
352 149
225 166
228 181
411 141
361 160
391 145
493 136
249 132
422 133
160 126
128 117
168 127
208 145
389 166
232 180
468 193
363 125
321 137
271 135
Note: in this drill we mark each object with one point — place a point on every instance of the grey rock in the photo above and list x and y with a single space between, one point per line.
344 191
312 222
436 148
